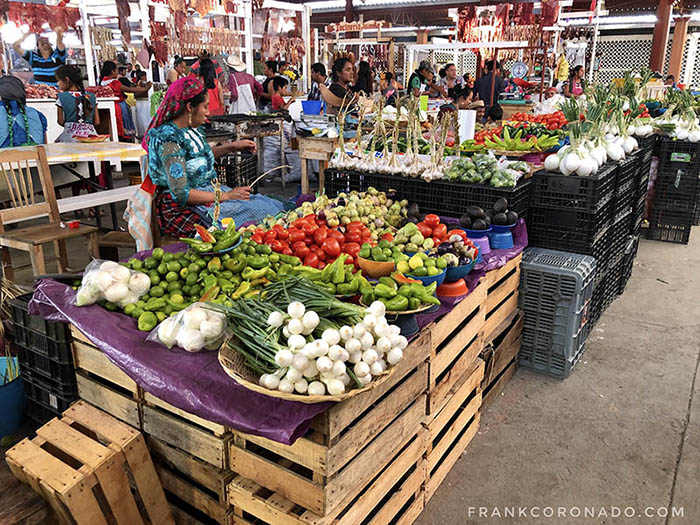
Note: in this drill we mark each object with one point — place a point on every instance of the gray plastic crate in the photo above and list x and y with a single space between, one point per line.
555 295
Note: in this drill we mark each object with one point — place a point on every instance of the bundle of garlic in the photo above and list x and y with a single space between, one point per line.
193 329
338 358
112 282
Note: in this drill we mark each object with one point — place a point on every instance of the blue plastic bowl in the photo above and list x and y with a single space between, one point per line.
502 229
475 234
311 107
428 280
455 273
501 241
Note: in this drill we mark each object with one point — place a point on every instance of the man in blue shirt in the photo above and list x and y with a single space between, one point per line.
44 63
482 87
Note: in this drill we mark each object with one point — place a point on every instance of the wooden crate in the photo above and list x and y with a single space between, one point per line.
341 453
393 495
453 427
191 480
83 464
501 357
103 383
501 296
455 344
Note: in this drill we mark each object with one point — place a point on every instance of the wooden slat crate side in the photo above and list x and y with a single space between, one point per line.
453 428
498 385
216 428
335 421
108 399
326 460
379 502
91 359
500 314
507 347
322 496
494 276
441 387
503 290
445 326
190 438
187 466
192 495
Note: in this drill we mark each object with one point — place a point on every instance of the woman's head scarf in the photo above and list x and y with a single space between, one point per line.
12 88
174 102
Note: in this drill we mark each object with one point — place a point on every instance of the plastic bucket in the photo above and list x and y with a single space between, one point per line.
11 401
311 107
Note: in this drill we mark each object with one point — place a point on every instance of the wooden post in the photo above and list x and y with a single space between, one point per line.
661 31
680 35
422 37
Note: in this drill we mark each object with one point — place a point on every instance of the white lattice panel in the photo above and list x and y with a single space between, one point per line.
623 53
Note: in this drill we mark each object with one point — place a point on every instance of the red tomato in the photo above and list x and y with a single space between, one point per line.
310 260
259 231
310 218
437 241
302 251
425 230
320 253
387 237
351 248
298 223
272 235
440 231
278 228
321 265
353 236
331 247
335 234
277 246
309 228
431 220
297 245
320 235
257 239
284 244
350 260
283 234
309 239
354 225
459 232
287 251
367 237
296 235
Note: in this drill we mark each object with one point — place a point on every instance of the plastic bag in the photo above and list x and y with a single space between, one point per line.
195 328
112 282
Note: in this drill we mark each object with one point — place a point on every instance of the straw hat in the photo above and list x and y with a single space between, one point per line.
235 63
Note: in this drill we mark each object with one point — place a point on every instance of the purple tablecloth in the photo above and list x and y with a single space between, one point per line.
196 382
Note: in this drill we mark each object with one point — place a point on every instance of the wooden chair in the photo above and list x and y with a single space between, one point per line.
15 168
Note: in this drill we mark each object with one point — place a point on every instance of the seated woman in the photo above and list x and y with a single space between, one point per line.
181 164
20 125
340 91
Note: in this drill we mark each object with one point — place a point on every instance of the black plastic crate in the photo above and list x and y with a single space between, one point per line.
40 391
21 319
571 223
670 226
237 169
646 144
619 234
441 197
57 350
628 170
624 198
569 191
676 152
38 413
60 376
570 241
628 261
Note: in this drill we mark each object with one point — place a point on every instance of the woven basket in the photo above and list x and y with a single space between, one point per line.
235 366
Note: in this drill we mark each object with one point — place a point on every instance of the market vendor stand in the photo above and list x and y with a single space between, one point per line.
320 149
377 456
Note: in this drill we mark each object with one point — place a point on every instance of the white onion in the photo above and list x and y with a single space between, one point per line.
629 144
377 309
396 330
345 332
116 292
285 332
167 332
270 381
286 386
353 345
367 341
296 342
324 364
331 337
358 331
311 370
585 167
551 163
572 161
370 356
394 356
275 319
370 321
121 274
403 342
310 320
336 352
694 136
366 380
316 388
335 387
615 152
139 283
345 378
293 375
382 329
296 310
301 386
384 344
681 134
377 367
284 358
338 369
190 340
300 361
295 326
361 369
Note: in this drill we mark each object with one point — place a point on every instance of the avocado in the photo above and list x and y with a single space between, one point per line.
500 219
465 221
479 224
487 220
475 212
511 217
500 206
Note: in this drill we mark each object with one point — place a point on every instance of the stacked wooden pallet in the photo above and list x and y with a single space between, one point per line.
375 458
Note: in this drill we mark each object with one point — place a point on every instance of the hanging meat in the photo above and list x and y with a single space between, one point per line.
550 12
4 9
123 13
466 23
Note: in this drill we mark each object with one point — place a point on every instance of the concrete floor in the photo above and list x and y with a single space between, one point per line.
620 437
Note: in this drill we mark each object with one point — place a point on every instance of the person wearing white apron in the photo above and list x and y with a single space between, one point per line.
243 86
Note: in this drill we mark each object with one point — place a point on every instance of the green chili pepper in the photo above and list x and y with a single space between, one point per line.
155 303
263 249
176 307
290 259
384 291
225 285
214 265
344 289
209 282
355 283
236 265
243 288
197 245
389 283
368 298
312 274
226 242
406 290
147 321
414 303
257 262
399 303
249 274
329 287
284 270
338 276
364 285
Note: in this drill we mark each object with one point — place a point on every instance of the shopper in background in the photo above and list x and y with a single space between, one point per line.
421 80
270 71
194 69
452 83
318 78
47 60
77 109
463 97
389 87
363 84
181 165
576 84
280 84
482 87
342 75
207 74
20 125
244 89
124 76
178 70
494 115
108 77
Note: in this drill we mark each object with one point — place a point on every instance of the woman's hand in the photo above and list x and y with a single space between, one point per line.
241 193
243 145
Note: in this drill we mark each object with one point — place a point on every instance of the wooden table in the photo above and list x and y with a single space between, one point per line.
320 149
